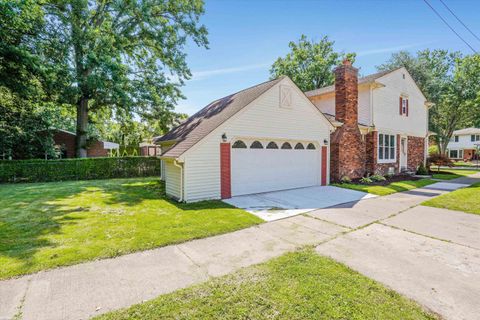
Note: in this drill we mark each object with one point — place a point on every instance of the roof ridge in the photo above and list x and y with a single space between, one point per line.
212 102
375 75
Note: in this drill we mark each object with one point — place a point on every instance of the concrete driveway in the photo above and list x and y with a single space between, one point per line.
428 254
276 205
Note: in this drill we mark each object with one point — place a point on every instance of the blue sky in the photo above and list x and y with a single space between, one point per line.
246 36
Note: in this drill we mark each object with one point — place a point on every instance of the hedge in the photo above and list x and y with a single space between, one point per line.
78 169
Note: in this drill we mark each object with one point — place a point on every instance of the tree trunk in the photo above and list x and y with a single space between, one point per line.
82 123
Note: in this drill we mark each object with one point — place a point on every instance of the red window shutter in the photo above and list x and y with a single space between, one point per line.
407 108
401 105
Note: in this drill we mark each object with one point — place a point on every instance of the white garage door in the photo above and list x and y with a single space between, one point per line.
289 165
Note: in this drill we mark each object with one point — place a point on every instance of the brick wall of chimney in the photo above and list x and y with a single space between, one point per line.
347 147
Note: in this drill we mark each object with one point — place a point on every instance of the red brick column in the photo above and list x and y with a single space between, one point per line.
225 171
415 152
324 165
371 149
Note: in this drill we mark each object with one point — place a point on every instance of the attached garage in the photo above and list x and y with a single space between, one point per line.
261 166
264 138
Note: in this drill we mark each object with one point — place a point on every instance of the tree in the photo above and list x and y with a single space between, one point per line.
310 64
126 56
26 116
450 81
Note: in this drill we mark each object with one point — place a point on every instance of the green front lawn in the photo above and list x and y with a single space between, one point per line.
467 200
452 174
45 225
301 285
388 189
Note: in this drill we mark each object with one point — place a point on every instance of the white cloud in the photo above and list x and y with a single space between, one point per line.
198 75
390 49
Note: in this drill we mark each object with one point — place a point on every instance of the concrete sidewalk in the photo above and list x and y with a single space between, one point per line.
89 289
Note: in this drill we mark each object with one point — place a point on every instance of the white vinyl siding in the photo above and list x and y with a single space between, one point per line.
173 180
464 142
386 115
326 103
263 119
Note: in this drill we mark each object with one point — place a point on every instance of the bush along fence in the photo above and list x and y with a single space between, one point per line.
78 169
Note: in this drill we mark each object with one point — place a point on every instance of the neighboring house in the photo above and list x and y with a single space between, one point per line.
149 149
273 137
392 122
65 142
464 144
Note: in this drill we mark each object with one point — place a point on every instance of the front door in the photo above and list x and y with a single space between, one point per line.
403 153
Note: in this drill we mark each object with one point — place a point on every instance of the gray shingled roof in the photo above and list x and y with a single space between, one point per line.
366 79
467 131
206 120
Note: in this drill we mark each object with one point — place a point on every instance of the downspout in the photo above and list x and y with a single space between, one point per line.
177 164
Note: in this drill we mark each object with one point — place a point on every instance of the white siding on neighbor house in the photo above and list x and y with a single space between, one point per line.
326 103
173 180
464 142
386 113
264 119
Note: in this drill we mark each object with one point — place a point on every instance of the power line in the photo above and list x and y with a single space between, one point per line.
459 20
453 30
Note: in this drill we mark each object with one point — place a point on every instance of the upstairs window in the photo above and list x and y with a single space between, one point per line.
386 148
404 106
455 138
475 137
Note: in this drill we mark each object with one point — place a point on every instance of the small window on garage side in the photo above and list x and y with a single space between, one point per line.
272 145
256 145
311 146
286 145
239 144
299 146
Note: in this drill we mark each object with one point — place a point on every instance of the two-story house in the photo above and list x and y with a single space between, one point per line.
464 144
392 118
273 136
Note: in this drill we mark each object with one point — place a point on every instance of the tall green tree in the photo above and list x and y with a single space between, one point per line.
123 55
450 81
25 114
310 64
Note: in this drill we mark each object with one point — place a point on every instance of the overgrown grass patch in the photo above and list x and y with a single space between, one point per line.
466 199
387 189
300 285
46 225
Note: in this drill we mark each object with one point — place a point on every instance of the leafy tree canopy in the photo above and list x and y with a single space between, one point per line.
124 58
310 64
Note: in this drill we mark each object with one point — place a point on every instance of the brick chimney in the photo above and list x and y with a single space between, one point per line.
347 147
346 94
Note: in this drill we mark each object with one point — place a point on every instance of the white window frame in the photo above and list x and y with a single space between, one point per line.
404 106
450 153
384 145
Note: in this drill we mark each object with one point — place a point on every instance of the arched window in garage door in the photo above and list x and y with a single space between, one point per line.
256 145
286 145
311 146
272 145
239 144
299 146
